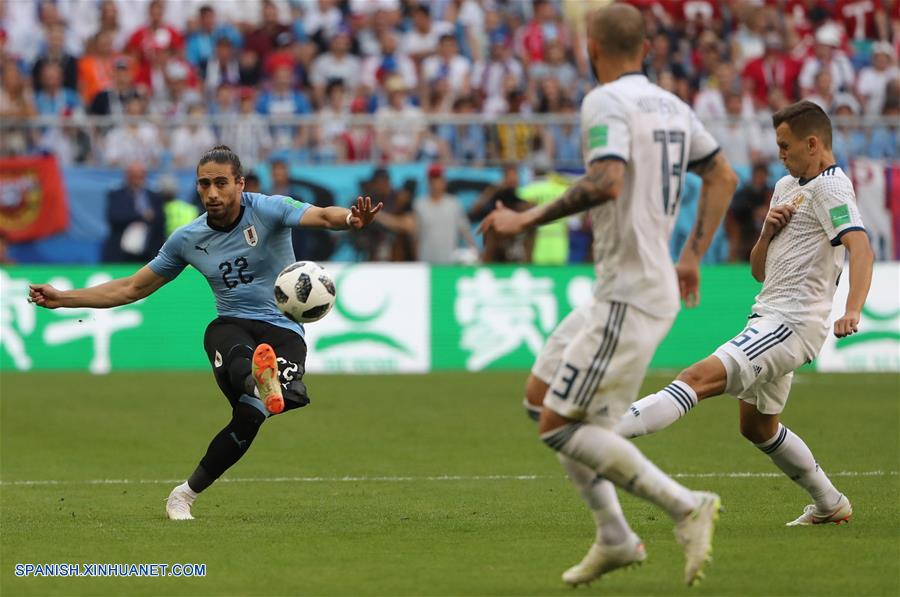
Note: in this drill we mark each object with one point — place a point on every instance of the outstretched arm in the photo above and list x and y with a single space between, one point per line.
719 183
339 218
121 291
602 183
861 260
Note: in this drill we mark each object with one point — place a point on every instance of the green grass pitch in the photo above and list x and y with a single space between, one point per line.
419 485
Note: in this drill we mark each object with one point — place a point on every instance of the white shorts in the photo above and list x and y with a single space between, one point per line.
760 363
596 358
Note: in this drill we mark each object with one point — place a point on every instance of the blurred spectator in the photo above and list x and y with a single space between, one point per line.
862 19
847 140
497 249
178 92
201 41
551 242
747 42
546 27
514 141
827 56
250 67
448 64
335 65
225 102
55 53
738 138
466 143
192 139
177 212
134 141
252 183
491 76
248 133
112 101
660 59
387 238
822 92
774 69
358 142
563 141
873 80
422 39
136 219
16 104
440 222
746 214
885 142
53 99
311 244
109 23
332 124
388 64
155 37
96 68
221 67
710 101
283 100
706 60
399 125
555 67
270 34
768 145
322 22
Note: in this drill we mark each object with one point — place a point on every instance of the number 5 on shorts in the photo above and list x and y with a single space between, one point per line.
745 337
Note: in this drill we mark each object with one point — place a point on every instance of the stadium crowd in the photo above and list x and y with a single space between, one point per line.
333 81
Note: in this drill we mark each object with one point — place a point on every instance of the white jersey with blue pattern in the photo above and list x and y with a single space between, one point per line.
240 262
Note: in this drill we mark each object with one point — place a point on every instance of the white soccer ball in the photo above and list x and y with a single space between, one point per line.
304 292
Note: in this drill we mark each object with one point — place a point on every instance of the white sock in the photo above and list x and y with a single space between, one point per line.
795 459
600 496
617 459
657 411
186 489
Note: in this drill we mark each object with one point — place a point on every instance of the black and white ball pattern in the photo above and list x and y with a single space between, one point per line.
304 292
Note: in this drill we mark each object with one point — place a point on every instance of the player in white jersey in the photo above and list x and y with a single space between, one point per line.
798 257
639 141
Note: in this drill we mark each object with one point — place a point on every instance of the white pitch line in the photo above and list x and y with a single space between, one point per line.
406 479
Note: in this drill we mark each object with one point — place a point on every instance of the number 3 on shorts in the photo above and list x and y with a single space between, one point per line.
567 381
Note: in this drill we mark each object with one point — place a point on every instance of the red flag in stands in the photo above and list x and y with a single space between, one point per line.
32 198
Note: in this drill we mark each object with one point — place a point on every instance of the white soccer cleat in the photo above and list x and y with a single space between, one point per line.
603 559
840 514
178 505
695 533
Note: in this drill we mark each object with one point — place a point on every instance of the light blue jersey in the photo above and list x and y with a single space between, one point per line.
242 261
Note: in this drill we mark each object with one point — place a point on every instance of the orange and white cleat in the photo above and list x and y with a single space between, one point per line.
265 372
840 514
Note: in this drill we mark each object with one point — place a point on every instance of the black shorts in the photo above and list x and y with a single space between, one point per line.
224 333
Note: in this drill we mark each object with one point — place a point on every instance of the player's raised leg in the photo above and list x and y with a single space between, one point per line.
601 370
704 379
791 454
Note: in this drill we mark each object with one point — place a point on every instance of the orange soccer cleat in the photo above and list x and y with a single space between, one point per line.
265 372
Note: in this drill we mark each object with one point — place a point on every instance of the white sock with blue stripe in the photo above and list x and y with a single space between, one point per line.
657 411
600 496
796 460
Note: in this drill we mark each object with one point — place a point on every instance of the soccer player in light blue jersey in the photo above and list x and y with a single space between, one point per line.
257 355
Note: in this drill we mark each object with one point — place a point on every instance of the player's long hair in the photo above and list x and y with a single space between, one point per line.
222 154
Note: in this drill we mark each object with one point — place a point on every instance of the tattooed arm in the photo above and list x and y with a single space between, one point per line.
603 182
719 182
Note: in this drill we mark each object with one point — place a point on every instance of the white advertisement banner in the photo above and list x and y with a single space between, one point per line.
380 322
876 347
